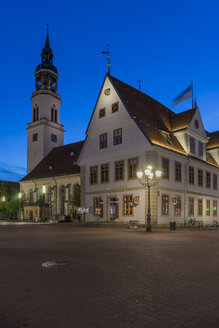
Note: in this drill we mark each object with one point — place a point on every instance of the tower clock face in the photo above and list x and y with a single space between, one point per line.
115 107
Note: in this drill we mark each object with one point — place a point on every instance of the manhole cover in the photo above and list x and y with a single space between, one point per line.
52 264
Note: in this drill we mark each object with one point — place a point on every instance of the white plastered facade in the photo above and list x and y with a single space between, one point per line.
136 145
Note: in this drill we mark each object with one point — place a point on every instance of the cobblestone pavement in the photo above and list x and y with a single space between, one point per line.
115 278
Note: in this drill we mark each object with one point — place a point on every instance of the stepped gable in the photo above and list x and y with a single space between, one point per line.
151 116
59 161
213 140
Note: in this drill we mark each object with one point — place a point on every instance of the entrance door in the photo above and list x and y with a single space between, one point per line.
112 208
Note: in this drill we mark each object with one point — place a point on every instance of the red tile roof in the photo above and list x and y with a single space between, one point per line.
213 141
153 118
156 121
59 161
181 121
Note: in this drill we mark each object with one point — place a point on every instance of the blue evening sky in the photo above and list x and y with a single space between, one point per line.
164 43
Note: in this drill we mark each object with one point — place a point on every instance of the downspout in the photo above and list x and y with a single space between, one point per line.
185 190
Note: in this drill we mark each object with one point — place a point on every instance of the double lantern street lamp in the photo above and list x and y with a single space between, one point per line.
148 178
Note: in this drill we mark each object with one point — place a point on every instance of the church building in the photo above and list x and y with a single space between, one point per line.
52 170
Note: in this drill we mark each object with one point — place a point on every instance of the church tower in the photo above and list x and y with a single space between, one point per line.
45 131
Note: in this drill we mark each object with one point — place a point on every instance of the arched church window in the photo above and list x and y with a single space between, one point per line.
36 114
54 115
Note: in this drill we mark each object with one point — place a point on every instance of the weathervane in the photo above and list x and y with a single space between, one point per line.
139 84
107 52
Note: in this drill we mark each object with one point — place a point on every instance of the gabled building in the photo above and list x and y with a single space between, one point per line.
129 130
49 187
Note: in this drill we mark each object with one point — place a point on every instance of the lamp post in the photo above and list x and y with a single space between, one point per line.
3 200
19 197
44 191
148 178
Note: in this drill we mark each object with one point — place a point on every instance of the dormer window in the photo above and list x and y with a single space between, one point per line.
192 145
200 148
196 124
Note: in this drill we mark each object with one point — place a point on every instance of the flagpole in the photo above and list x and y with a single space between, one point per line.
192 93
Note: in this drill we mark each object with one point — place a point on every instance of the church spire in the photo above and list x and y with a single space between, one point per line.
47 54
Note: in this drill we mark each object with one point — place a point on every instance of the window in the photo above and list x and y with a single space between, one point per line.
104 173
117 137
177 171
165 168
31 197
191 206
165 204
119 170
200 210
177 207
115 107
93 174
53 137
192 145
214 208
97 206
200 178
35 114
54 115
191 175
35 137
132 168
196 124
208 180
215 181
103 140
200 148
208 209
102 112
128 205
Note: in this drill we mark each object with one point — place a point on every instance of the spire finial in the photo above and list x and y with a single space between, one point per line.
107 52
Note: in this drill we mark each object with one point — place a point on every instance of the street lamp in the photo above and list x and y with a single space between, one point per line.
19 196
3 200
44 191
148 178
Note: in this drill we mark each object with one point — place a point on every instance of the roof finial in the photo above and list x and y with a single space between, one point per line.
107 52
139 84
195 102
47 27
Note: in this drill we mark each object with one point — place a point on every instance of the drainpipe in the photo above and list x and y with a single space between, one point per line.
186 189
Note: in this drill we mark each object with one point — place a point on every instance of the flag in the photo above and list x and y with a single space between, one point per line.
187 93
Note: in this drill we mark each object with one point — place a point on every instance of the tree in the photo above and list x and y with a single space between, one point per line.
11 204
75 199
